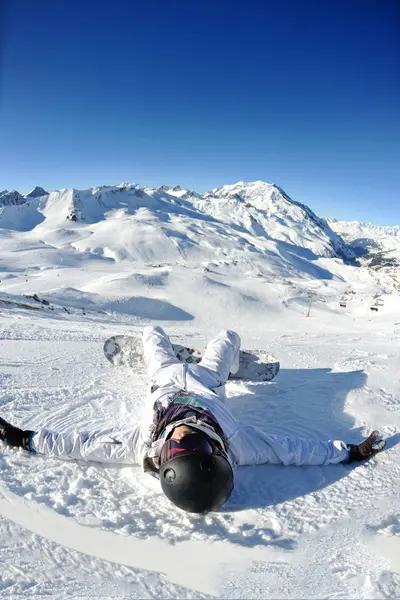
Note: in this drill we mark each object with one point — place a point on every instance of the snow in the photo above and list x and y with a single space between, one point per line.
195 264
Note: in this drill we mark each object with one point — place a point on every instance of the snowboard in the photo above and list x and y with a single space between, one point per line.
254 365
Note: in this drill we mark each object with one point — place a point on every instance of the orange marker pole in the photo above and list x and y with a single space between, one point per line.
309 306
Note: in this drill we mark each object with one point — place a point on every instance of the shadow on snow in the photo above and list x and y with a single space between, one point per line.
308 403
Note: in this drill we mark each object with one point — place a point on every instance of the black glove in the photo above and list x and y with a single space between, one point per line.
367 448
13 436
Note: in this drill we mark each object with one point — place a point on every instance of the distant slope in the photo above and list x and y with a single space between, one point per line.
377 246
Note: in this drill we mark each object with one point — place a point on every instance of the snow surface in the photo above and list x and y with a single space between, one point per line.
112 259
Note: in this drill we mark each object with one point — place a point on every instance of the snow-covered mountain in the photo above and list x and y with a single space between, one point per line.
36 193
241 232
377 246
222 239
12 198
266 210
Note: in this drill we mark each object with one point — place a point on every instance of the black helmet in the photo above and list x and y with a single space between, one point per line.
195 473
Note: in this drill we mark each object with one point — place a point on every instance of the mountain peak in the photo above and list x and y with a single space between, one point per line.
242 186
179 192
272 211
11 198
170 188
37 192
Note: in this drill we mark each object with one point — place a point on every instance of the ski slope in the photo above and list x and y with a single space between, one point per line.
88 531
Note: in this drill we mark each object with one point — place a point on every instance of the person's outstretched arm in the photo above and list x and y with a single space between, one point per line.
251 446
108 446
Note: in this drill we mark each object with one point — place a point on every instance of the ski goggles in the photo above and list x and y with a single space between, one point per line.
189 444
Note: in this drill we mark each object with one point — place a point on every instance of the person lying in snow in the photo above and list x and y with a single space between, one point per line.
188 437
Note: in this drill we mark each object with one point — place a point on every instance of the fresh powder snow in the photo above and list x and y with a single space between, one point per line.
78 266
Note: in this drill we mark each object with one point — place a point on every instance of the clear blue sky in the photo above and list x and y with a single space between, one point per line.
201 93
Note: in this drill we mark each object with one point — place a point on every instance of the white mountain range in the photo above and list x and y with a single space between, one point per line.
240 231
245 217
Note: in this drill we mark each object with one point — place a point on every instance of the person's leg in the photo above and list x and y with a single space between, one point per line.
221 357
157 350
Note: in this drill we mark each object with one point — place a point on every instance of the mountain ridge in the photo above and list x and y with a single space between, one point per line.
126 241
257 209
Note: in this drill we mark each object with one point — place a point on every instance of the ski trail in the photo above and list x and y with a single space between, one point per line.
176 562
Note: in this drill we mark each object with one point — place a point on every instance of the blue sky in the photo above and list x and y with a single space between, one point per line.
201 93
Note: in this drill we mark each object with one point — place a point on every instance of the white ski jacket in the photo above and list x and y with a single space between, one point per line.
205 381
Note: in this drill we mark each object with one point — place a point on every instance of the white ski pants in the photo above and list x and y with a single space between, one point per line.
220 358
